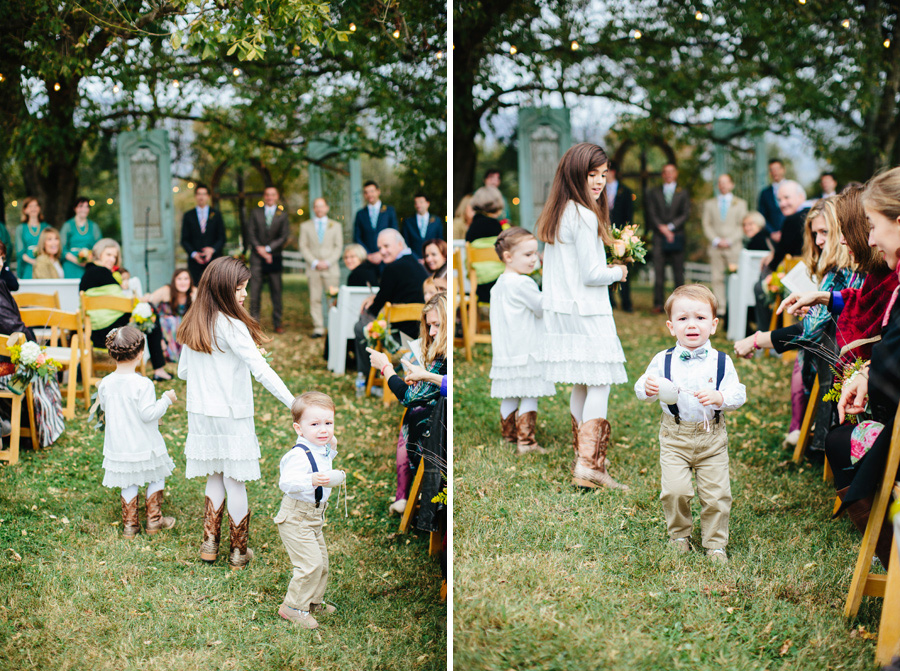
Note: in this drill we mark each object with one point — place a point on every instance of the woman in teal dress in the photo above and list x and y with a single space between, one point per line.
79 235
27 235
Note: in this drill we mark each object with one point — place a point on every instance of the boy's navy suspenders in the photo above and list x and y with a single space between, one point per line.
312 462
720 375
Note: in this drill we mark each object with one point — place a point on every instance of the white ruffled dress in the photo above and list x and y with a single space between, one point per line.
221 433
134 452
517 332
581 345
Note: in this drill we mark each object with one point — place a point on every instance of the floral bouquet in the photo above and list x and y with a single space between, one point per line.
30 362
142 317
775 287
268 356
379 331
85 256
842 377
627 246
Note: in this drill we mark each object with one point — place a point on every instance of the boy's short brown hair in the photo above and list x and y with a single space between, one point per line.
694 292
309 399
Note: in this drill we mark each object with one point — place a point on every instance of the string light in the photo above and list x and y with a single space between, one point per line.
190 185
174 189
440 55
236 72
516 200
2 78
56 86
109 201
637 34
802 2
887 43
15 203
92 203
281 208
300 212
116 88
260 203
699 16
176 83
845 23
352 27
575 46
513 51
396 34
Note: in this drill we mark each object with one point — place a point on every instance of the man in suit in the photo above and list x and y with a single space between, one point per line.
401 282
723 218
668 208
266 234
371 220
321 244
829 184
202 233
621 213
768 200
423 226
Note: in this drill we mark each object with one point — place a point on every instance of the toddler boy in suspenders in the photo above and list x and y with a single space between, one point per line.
692 434
306 479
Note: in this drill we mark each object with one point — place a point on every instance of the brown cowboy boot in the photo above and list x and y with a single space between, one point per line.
240 534
525 442
575 426
508 427
590 467
859 512
131 527
155 519
212 531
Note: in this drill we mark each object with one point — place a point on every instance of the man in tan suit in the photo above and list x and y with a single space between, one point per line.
722 225
321 244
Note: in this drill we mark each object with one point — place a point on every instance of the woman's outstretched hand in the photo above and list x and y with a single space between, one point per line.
853 397
800 303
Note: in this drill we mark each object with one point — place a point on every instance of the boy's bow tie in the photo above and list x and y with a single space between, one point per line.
686 355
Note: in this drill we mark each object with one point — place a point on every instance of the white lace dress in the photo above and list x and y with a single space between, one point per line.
581 345
221 433
517 332
134 452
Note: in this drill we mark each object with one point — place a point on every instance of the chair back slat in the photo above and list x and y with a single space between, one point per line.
48 318
403 312
119 303
29 299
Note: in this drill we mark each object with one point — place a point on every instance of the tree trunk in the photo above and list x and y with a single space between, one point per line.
54 184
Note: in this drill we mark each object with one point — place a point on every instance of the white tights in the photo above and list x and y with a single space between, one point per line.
587 403
523 405
218 485
128 493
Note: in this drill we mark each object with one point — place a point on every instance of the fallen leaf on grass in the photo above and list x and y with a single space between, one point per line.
785 647
212 643
65 520
15 555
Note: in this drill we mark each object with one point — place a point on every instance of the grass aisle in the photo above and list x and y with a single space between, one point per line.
75 595
547 577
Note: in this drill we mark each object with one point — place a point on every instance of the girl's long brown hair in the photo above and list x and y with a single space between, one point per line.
570 183
855 227
216 294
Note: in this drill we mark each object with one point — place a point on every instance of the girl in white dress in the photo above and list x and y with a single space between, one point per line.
134 452
517 330
220 351
581 346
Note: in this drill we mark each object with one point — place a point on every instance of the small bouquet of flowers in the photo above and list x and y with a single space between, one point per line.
240 255
268 356
379 331
142 317
842 377
30 361
85 256
775 286
627 246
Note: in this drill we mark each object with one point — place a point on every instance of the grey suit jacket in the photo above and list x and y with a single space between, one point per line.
658 212
275 235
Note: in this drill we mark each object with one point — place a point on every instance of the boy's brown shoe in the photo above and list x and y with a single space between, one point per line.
306 621
326 608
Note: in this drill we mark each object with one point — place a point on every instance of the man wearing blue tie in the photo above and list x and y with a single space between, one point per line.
321 244
371 220
421 227
723 218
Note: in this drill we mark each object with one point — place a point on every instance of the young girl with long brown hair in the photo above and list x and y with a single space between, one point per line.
581 346
220 350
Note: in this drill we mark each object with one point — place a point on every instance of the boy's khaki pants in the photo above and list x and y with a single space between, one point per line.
689 447
300 526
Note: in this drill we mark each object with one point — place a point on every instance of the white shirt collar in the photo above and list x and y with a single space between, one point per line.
376 206
325 450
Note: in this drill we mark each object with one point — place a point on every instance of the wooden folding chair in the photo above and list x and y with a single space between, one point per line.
70 357
865 583
806 428
30 299
786 319
889 630
96 359
11 454
475 255
412 507
461 304
393 314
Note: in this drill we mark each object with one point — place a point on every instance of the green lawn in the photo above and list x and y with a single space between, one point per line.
75 595
547 577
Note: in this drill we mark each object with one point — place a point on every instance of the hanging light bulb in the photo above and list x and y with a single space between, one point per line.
575 46
396 34
300 212
699 16
2 78
109 201
440 55
236 72
513 50
637 34
190 185
887 43
56 86
116 88
90 202
174 189
352 27
802 2
260 203
176 83
845 23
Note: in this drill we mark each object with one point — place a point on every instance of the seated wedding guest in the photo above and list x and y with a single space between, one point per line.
876 387
462 217
401 282
755 236
362 272
488 204
27 235
832 264
7 275
171 301
79 235
434 252
98 280
48 257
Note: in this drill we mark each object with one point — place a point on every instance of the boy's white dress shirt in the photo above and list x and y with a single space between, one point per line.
296 472
692 375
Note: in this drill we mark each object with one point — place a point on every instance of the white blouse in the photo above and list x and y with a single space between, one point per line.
132 417
218 384
576 275
296 472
